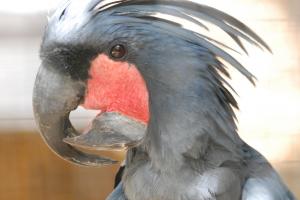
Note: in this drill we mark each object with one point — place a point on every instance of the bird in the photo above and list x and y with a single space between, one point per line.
163 93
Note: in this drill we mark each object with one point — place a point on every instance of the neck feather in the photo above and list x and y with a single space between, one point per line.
188 122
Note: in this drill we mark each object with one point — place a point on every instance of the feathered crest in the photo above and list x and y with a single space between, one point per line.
156 10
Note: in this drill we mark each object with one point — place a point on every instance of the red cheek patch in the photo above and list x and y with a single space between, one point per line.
116 87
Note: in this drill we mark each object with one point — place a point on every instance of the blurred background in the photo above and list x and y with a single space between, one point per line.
268 117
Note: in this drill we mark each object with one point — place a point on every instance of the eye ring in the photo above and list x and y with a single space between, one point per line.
118 51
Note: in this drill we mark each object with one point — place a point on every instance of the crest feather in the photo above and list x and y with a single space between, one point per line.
153 11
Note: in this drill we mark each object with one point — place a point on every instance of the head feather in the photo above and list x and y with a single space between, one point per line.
155 11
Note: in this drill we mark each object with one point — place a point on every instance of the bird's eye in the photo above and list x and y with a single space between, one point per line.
118 51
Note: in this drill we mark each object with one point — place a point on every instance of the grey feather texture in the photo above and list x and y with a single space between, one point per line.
191 149
117 194
193 12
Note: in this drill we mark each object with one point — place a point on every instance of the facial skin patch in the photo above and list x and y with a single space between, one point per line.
116 86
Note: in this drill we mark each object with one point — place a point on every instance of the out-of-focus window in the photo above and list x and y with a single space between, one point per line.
28 6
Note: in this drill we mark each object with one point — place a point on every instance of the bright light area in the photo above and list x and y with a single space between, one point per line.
28 6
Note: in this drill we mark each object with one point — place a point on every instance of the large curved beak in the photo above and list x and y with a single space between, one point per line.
55 95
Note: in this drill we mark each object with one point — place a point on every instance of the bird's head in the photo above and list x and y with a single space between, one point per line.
123 57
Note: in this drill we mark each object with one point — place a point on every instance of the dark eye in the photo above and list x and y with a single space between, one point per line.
118 51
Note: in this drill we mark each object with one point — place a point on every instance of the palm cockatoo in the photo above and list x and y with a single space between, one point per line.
163 95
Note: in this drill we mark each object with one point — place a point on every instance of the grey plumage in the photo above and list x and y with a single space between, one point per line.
191 149
117 194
